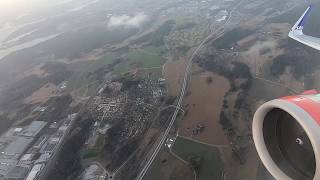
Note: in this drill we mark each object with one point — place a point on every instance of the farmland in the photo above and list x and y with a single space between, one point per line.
166 167
205 159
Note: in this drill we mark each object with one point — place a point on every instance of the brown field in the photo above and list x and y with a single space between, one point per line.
37 70
204 104
234 170
174 72
42 94
249 169
289 80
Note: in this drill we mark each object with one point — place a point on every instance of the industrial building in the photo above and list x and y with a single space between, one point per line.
34 172
16 147
24 151
50 144
26 159
6 166
34 128
43 158
40 142
11 132
18 172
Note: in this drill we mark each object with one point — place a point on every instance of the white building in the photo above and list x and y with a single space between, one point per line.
34 172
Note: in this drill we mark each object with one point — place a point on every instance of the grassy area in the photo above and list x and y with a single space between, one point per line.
167 167
94 151
183 22
153 74
230 38
100 142
207 160
155 50
105 60
89 153
80 78
147 57
144 58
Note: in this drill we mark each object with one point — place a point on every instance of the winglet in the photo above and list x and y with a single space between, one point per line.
300 23
296 32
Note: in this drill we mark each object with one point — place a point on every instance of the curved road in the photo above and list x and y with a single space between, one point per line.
183 90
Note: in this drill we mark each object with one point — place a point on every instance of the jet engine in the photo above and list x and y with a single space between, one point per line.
286 133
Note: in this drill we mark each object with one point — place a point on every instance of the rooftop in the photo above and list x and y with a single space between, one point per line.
17 172
6 165
17 146
17 130
43 158
34 172
26 157
39 143
34 128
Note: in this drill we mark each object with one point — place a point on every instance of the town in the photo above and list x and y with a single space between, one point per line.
124 109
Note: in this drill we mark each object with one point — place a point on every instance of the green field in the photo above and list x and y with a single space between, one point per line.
153 74
210 165
80 76
94 151
167 167
144 58
231 37
105 60
148 57
89 153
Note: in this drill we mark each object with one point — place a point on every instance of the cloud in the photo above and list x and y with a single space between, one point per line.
128 21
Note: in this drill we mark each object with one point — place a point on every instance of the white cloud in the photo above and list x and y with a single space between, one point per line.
128 21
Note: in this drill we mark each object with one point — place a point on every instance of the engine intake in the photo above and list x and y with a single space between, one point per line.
286 133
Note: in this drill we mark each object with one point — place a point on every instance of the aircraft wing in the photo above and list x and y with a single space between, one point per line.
296 32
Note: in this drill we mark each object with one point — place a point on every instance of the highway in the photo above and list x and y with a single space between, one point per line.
182 94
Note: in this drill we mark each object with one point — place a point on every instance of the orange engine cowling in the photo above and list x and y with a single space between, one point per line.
286 133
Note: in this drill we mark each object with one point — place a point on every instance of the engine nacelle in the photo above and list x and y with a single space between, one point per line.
286 133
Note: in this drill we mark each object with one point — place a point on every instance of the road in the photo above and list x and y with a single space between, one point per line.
200 142
173 107
182 94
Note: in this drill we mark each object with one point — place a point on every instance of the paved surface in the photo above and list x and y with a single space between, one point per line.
207 144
